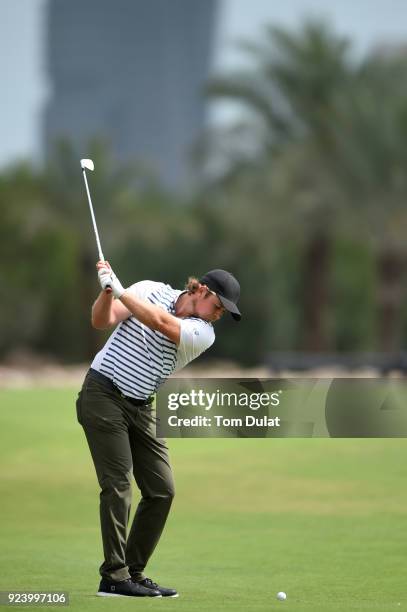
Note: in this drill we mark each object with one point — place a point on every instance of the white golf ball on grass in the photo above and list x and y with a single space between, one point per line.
281 596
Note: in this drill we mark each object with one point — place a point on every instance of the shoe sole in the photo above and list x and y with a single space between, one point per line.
102 594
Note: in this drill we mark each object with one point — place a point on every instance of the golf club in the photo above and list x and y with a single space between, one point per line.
87 164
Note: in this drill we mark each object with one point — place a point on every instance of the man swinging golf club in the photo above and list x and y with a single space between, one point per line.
158 330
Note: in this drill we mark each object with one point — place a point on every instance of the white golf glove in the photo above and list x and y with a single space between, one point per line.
108 278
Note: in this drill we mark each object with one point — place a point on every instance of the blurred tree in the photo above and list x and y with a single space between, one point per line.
75 285
296 201
329 135
49 249
118 196
22 233
292 92
370 137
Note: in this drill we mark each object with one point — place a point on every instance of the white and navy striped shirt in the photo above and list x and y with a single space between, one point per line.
138 359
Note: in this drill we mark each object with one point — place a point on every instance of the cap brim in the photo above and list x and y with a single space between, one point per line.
231 307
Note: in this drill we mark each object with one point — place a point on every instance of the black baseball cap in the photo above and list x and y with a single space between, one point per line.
226 288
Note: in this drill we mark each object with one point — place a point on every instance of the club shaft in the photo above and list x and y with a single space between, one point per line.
101 258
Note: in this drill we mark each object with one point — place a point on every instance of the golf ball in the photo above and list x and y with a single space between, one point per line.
281 596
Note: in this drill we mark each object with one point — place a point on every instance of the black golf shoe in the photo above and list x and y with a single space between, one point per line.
125 588
149 584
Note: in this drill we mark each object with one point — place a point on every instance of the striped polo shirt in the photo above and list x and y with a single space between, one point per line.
138 359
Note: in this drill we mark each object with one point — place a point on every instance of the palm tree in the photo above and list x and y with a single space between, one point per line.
370 146
292 94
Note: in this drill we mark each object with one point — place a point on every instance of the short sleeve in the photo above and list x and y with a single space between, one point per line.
196 337
144 288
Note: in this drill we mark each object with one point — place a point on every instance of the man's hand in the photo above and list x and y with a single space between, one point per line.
107 278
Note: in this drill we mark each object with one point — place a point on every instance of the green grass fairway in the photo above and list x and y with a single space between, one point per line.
323 520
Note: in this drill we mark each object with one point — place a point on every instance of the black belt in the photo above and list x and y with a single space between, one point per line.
109 383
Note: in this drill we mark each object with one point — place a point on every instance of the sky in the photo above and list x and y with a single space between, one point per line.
23 71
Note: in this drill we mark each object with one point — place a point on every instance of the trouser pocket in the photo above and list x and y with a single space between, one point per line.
100 407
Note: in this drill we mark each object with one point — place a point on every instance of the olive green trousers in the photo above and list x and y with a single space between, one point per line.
122 442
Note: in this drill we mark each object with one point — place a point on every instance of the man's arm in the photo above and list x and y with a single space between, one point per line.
108 312
152 316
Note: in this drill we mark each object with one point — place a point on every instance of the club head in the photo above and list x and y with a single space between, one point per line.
88 164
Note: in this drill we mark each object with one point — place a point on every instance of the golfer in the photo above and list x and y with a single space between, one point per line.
158 330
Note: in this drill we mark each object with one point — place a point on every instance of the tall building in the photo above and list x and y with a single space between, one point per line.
131 72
